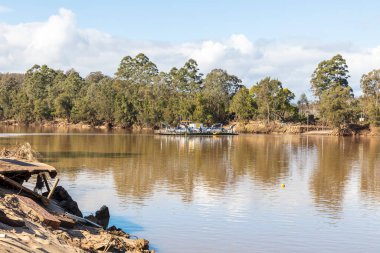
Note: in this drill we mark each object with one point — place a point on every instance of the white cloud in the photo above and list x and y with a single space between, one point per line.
60 43
241 43
207 53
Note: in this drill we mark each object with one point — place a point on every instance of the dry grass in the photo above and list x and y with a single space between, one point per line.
23 151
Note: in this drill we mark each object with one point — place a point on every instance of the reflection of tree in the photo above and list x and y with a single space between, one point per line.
333 166
369 150
179 162
140 164
266 158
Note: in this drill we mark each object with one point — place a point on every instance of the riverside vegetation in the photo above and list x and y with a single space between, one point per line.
140 95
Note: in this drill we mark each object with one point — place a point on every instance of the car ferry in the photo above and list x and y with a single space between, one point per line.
196 129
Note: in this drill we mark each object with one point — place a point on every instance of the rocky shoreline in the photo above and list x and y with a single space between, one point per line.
51 221
23 230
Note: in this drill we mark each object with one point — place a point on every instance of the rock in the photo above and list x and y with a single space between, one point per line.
65 201
71 207
102 217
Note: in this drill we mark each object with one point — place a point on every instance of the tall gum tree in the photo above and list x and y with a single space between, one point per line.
187 82
370 84
273 101
329 73
134 78
329 83
218 90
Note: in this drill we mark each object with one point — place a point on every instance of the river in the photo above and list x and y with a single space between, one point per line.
223 194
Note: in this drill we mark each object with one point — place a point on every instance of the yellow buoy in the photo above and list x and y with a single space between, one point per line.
282 185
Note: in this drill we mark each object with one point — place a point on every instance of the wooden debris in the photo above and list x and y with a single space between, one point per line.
12 166
46 182
44 216
83 220
44 200
53 189
66 222
11 221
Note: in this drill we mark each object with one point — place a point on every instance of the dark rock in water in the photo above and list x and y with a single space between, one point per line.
65 201
102 217
71 207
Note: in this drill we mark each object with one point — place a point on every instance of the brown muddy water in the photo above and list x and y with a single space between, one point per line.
223 194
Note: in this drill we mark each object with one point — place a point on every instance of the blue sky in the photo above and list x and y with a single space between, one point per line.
178 21
243 37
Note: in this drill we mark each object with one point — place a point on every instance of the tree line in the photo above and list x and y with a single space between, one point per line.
141 95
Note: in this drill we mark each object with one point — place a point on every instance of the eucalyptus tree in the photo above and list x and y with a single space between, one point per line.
97 104
273 101
242 105
330 84
187 82
337 106
70 90
329 74
134 78
218 89
138 70
38 81
370 84
10 85
303 103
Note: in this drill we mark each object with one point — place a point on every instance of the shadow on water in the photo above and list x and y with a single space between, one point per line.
131 227
81 154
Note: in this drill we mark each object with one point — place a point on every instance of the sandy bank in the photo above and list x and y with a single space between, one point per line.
261 127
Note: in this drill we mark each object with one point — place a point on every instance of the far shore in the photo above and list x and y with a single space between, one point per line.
251 127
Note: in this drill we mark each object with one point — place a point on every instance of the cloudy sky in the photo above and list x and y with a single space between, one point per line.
252 39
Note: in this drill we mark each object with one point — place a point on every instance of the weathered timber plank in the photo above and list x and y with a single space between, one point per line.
11 166
13 222
44 216
66 222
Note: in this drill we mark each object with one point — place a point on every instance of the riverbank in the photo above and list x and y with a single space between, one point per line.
261 127
251 127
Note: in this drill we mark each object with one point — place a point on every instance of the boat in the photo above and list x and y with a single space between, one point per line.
196 129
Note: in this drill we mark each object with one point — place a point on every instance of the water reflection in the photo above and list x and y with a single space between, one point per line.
216 180
368 161
140 163
331 172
